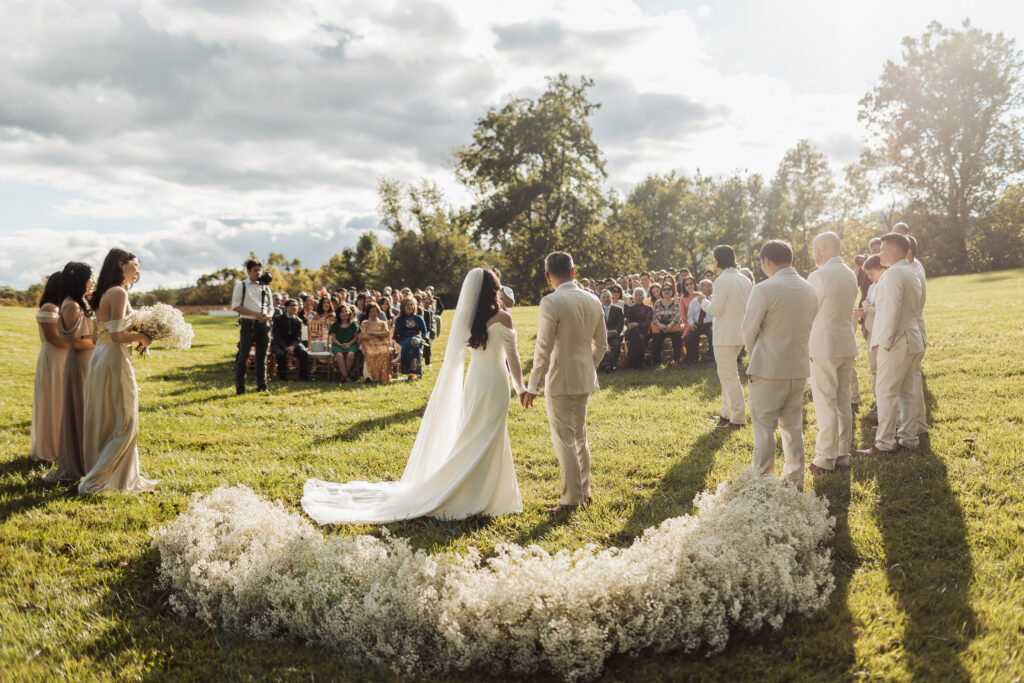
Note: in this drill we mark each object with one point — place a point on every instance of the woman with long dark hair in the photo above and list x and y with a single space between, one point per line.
461 463
75 328
111 393
48 391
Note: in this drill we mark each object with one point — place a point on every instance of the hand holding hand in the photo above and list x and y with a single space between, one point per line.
526 399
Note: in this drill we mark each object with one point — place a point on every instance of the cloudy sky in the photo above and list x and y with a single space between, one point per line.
194 131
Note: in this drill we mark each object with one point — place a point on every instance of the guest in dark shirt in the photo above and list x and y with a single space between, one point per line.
614 322
287 341
638 329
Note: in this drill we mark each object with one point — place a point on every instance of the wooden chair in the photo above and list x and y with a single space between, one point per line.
320 361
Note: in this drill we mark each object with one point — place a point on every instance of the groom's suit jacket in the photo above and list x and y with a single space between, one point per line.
571 342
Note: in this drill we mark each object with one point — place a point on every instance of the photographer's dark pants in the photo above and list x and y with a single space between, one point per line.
659 342
300 353
252 334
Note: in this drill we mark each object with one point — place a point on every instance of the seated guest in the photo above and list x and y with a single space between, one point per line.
616 293
698 322
308 310
287 341
376 345
638 329
424 308
687 293
411 336
48 395
709 274
324 308
360 307
653 294
344 338
668 323
278 305
614 322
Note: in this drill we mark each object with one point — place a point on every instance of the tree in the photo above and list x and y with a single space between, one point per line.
739 207
1000 237
535 173
360 266
944 127
432 243
799 201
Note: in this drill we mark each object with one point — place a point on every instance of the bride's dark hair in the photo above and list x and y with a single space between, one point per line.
486 308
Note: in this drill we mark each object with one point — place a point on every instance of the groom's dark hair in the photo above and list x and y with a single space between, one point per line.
559 264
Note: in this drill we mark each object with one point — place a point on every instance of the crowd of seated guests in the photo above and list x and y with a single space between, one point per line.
369 335
655 317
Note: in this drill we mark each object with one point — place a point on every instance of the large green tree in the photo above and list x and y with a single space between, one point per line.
536 176
799 201
945 129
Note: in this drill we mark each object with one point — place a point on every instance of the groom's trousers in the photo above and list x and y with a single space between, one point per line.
567 415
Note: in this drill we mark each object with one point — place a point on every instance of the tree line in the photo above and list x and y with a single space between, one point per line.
944 146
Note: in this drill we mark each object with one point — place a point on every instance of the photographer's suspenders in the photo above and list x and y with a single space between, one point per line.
263 297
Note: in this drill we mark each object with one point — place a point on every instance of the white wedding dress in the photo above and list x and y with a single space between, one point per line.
461 462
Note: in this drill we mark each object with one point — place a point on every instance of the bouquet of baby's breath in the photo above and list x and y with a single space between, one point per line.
164 324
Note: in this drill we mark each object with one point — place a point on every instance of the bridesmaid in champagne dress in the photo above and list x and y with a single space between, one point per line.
48 393
75 328
111 394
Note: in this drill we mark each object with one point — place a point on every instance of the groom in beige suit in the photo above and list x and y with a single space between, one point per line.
571 342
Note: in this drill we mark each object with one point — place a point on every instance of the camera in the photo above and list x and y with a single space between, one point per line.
265 279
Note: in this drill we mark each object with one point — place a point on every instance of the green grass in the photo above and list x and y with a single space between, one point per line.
928 546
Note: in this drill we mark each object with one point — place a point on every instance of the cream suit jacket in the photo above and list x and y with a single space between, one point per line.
571 342
919 270
832 335
898 308
777 326
727 304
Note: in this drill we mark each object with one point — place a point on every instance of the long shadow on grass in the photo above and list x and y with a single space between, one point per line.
928 558
701 379
354 431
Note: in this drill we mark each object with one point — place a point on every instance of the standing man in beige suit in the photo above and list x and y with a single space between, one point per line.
776 330
899 341
833 349
727 305
571 342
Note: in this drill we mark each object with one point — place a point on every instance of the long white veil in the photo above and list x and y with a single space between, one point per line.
440 425
435 446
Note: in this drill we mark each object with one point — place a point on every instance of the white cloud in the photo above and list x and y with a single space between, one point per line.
281 115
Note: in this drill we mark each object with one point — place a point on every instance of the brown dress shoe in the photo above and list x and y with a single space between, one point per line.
814 469
560 509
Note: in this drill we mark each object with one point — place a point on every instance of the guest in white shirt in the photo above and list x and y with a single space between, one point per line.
698 322
728 303
900 343
776 330
917 394
833 349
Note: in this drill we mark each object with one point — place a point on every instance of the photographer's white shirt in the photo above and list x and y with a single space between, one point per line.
257 298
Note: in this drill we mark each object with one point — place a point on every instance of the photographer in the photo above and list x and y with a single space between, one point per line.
253 302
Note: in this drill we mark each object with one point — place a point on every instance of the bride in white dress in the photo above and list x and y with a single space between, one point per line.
461 462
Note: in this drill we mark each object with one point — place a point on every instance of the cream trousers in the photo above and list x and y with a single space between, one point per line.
778 403
830 388
567 415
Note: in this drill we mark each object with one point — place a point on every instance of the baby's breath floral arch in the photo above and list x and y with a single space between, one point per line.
754 553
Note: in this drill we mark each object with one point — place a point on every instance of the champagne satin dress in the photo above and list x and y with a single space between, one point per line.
112 417
48 394
76 364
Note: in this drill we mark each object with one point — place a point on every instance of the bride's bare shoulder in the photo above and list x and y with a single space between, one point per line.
503 317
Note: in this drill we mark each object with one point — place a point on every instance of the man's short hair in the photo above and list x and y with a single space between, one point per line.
703 282
901 228
874 262
291 302
901 242
913 244
252 263
830 238
559 264
778 252
725 257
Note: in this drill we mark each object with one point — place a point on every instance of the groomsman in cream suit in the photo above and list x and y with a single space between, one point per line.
776 330
899 341
833 349
917 394
727 305
571 342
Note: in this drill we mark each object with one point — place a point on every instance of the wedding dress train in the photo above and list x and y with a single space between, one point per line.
461 462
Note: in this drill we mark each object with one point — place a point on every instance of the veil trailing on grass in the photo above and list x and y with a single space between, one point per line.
423 486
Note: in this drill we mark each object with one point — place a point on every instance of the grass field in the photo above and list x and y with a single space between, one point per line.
929 546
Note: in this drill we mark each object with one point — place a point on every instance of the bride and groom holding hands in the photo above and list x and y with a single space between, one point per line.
461 462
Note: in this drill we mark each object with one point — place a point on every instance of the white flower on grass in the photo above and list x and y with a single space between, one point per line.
752 555
164 324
